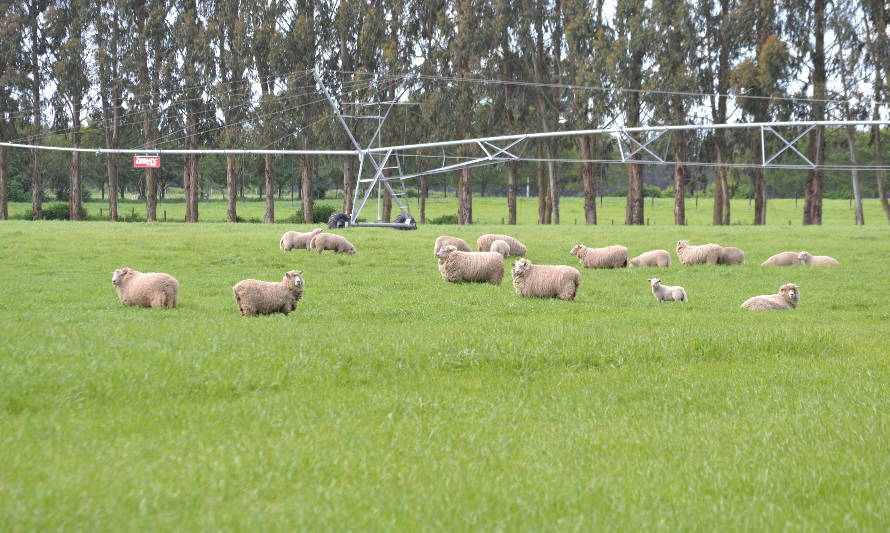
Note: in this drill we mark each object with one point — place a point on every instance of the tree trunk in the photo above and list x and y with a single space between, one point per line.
306 183
759 197
680 180
465 197
879 175
586 144
854 175
4 188
424 193
348 183
543 212
634 214
36 176
511 192
75 209
269 217
113 194
554 186
231 189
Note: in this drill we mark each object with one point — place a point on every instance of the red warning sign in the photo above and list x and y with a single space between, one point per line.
146 161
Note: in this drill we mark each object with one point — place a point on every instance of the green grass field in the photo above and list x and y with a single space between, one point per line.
392 400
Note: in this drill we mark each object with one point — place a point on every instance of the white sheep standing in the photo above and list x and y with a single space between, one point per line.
614 256
445 240
500 247
294 239
255 297
783 259
517 249
545 281
456 266
331 241
667 293
145 289
697 255
817 260
787 298
654 258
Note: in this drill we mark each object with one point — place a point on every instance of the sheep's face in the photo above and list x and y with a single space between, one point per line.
790 292
576 249
118 275
445 251
520 267
682 244
295 276
350 251
654 281
804 258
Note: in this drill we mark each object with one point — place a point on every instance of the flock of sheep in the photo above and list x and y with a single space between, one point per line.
458 263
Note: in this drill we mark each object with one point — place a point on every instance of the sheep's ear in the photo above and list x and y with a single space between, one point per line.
298 272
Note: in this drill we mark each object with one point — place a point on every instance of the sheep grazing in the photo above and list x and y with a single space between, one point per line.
444 240
816 260
517 249
545 281
457 266
783 259
256 297
295 239
149 289
787 298
500 247
655 258
698 255
730 255
667 293
614 256
331 241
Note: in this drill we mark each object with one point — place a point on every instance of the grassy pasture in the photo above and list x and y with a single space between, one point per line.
394 401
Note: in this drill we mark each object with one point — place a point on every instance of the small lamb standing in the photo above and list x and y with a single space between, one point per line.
545 281
500 247
256 297
816 260
149 289
783 259
294 239
331 241
517 249
730 255
655 258
614 256
667 293
787 298
456 266
698 255
444 240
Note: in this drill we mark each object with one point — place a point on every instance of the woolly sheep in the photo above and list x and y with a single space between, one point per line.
614 256
783 259
545 281
517 249
256 297
445 240
787 298
667 293
655 258
457 266
331 241
149 289
295 239
730 255
816 260
697 255
501 247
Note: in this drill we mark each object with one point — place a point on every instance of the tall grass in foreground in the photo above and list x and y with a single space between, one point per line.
394 401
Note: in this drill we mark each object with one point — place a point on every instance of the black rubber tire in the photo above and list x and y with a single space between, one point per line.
401 219
338 219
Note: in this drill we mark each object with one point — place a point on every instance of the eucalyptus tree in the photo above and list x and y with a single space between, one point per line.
811 20
35 17
878 37
11 61
111 45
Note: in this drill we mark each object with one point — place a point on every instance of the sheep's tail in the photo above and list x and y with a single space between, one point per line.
281 243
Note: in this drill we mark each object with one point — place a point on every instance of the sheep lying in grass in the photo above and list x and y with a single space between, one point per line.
730 255
667 293
614 256
331 241
698 255
149 289
517 249
444 240
655 258
545 281
816 260
457 266
783 259
500 247
295 239
256 297
787 298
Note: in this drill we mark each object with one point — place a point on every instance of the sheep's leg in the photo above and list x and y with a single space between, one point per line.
159 300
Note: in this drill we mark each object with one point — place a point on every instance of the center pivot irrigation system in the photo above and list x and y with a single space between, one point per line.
380 167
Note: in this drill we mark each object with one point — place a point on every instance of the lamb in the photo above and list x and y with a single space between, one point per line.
783 259
667 293
256 297
501 247
614 256
457 266
730 255
331 241
149 289
445 240
655 258
516 248
816 260
698 255
545 281
295 239
787 298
